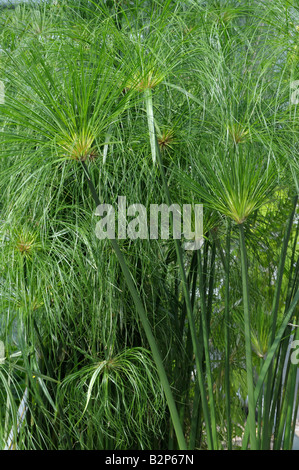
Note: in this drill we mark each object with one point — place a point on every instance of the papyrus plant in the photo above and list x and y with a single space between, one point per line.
59 107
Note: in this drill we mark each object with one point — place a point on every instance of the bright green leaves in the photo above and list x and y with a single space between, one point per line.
107 335
79 147
123 390
25 242
235 184
63 102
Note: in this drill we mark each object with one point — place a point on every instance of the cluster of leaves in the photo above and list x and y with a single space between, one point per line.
112 88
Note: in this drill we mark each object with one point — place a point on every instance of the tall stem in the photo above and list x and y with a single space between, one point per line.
247 331
205 330
227 339
271 352
269 383
212 443
196 347
146 325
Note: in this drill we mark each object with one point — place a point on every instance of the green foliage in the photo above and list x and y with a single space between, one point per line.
139 344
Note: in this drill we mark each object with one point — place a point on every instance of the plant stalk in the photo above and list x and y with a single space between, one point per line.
247 331
227 339
266 435
147 328
195 342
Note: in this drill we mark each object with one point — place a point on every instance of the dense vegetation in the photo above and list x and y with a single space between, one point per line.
140 344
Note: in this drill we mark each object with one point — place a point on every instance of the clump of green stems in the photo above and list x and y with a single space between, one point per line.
122 344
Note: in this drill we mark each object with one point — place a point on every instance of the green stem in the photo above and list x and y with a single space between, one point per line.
211 284
146 325
227 339
248 351
186 366
205 330
195 417
269 359
289 398
190 315
267 430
